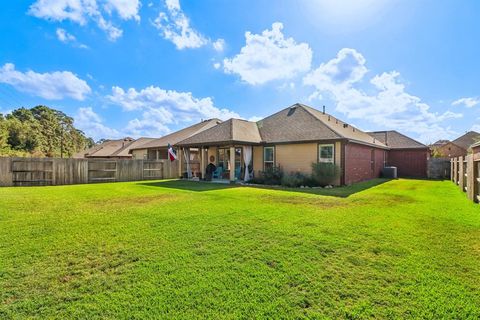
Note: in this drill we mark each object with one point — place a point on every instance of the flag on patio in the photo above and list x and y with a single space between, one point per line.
171 153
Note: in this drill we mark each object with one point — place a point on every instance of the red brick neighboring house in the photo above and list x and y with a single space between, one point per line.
408 155
458 147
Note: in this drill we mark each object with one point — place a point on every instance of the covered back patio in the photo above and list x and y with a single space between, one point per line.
224 153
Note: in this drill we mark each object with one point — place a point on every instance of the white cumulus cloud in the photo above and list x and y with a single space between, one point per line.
219 45
163 107
92 124
269 56
83 11
383 100
53 86
174 25
64 36
467 102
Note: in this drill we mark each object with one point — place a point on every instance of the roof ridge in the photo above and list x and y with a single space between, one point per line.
306 108
403 135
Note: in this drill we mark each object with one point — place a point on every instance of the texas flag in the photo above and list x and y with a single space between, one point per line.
171 153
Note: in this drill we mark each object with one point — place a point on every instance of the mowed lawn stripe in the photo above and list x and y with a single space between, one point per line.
176 249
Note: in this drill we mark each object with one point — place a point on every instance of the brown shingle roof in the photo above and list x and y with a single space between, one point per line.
303 123
109 148
175 137
232 130
294 124
125 152
467 139
396 140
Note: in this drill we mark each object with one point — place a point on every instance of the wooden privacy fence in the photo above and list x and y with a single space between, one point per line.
465 172
55 171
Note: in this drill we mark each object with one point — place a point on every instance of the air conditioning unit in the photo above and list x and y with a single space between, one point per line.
389 172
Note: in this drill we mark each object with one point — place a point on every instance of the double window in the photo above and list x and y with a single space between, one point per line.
326 153
268 158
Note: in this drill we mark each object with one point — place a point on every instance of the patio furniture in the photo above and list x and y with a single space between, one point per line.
217 174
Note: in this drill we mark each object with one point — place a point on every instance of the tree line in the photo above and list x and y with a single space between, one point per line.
40 132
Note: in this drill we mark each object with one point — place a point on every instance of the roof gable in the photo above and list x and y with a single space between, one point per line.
396 140
232 130
294 124
302 123
467 139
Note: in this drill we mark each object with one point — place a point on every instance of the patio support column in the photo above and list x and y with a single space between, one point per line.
202 162
232 164
180 161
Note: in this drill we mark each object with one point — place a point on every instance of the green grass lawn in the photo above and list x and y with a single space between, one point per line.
169 249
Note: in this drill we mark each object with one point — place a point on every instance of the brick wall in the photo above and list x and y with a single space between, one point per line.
358 162
409 162
450 150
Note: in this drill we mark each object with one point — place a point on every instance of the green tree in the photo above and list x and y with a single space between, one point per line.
41 131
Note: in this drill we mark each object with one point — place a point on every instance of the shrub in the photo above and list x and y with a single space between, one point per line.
324 174
294 180
270 176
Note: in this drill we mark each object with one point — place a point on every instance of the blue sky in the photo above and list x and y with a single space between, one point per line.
145 68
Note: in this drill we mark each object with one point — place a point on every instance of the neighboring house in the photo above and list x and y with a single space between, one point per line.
293 139
439 143
458 147
408 155
156 149
476 152
116 149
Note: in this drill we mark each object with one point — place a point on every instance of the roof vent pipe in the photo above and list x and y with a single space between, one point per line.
323 109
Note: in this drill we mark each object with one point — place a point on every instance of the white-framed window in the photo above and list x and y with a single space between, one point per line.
268 157
326 153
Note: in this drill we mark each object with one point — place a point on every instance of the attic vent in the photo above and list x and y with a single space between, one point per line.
328 118
291 111
353 129
345 125
336 121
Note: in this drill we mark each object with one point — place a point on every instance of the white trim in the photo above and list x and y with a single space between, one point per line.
326 160
273 153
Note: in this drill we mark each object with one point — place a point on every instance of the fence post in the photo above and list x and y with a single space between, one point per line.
461 173
455 170
451 169
470 178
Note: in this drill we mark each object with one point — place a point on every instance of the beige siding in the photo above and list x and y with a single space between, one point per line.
338 161
212 151
296 157
338 153
257 159
139 154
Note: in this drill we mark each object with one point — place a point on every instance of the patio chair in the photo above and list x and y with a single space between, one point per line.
217 174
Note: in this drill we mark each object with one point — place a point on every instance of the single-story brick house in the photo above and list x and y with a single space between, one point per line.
298 136
408 155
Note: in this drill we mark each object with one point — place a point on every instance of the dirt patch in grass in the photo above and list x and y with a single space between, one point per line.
384 199
134 201
319 201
